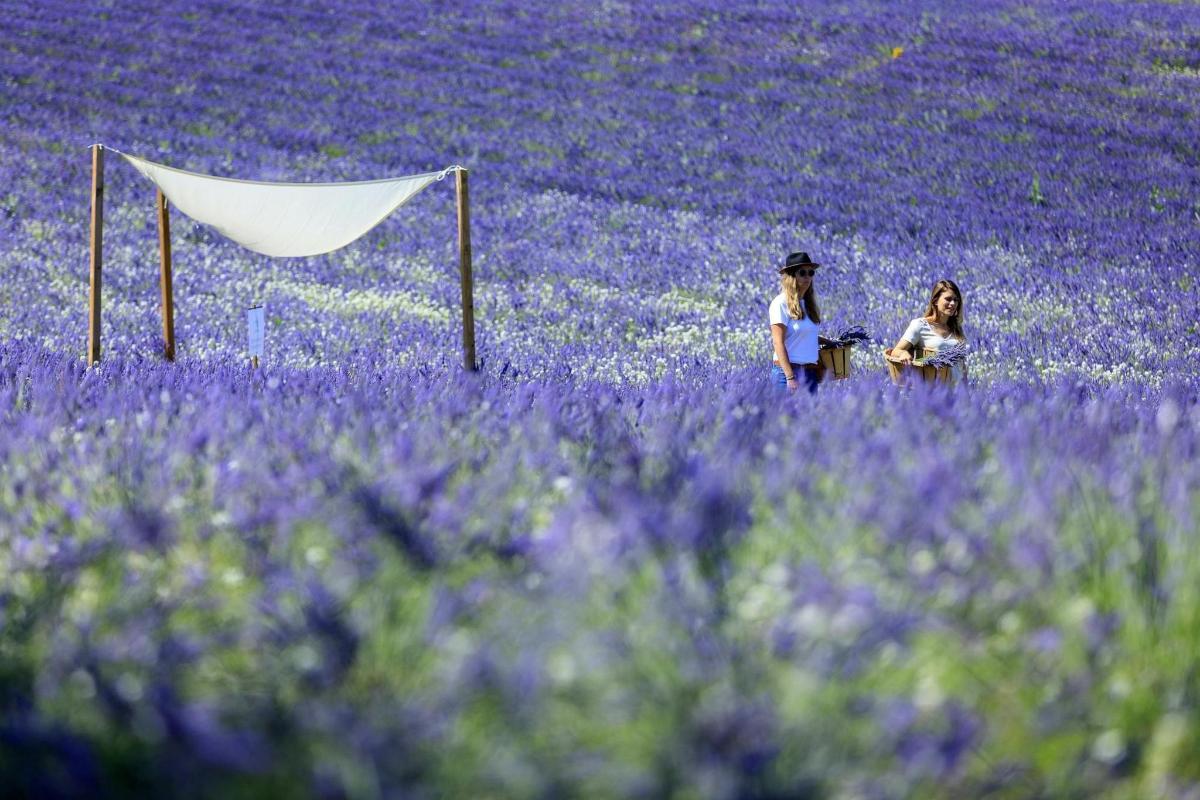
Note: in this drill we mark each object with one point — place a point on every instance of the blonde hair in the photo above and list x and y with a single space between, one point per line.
955 322
791 295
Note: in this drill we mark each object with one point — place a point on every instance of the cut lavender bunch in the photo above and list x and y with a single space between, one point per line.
951 356
846 337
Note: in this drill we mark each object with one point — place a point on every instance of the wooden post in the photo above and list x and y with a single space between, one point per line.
464 266
93 351
168 299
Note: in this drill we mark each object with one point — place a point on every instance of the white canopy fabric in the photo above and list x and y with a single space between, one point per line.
284 219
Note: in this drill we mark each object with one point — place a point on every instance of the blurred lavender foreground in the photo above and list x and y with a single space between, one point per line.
612 563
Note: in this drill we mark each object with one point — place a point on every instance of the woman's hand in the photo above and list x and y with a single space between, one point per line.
793 384
902 351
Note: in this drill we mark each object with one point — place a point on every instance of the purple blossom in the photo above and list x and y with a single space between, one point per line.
951 356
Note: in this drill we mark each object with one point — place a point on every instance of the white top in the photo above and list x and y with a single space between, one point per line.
920 332
800 340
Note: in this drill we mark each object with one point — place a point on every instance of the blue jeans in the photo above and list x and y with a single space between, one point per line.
810 377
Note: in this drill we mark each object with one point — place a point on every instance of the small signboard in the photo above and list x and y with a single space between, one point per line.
255 327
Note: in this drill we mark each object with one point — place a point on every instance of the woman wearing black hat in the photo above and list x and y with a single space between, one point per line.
794 318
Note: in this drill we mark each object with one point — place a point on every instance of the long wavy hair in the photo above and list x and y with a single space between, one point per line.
955 323
791 294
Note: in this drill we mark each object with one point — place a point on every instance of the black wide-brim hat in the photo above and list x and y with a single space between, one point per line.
798 259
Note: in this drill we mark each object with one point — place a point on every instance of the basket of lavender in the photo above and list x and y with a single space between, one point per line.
835 350
932 366
939 366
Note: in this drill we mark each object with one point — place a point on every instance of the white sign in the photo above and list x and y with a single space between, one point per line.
254 324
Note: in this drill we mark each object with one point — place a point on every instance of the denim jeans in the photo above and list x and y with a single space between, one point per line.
810 377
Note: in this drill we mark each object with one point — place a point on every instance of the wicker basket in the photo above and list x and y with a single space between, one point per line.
836 360
895 367
935 374
900 371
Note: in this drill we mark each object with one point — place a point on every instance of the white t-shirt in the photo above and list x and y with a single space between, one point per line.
800 340
920 332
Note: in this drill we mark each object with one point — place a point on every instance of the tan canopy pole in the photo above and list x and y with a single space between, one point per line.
93 351
168 299
464 268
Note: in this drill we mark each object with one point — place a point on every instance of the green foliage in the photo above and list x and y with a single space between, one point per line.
1035 191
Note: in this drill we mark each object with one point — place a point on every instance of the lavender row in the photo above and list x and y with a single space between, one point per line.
784 111
409 578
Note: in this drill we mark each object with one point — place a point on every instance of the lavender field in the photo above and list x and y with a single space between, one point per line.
614 561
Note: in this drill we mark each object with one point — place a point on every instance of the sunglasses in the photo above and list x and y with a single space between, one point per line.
801 273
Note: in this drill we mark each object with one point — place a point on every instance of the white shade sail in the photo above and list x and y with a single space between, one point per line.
284 219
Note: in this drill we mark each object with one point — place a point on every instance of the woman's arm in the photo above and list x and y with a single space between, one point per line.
777 334
904 348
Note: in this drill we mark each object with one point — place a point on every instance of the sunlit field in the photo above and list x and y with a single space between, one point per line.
614 561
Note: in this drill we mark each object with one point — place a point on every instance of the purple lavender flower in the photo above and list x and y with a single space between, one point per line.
951 356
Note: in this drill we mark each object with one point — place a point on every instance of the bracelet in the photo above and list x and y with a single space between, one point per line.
791 377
